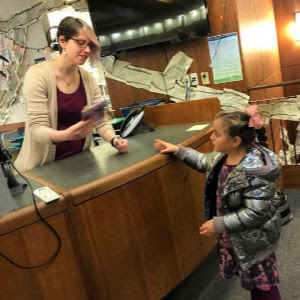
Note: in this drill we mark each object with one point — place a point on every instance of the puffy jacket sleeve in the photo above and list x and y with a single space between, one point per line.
258 206
194 159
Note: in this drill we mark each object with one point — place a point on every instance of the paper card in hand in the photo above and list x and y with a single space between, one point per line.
94 112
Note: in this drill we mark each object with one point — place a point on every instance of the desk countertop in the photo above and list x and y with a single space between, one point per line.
25 199
104 160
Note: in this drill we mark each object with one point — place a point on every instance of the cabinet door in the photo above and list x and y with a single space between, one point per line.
33 245
109 248
129 247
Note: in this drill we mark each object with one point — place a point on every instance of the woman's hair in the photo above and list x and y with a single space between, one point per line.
70 27
236 123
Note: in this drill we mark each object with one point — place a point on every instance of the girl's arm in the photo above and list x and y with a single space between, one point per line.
194 159
165 147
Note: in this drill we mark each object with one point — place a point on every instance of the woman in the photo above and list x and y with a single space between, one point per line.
55 93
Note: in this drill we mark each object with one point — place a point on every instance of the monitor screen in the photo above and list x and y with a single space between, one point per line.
126 24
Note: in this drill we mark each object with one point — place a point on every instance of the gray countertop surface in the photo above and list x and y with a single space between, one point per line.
101 161
25 199
104 160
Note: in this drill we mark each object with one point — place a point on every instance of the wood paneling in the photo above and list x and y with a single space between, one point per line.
218 13
27 215
276 91
143 236
288 48
150 224
260 53
291 73
289 51
34 244
183 198
291 177
182 113
259 44
109 248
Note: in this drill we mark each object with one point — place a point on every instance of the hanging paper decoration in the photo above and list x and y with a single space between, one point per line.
13 34
4 61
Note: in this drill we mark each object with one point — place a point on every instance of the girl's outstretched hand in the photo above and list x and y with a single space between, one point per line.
165 147
207 228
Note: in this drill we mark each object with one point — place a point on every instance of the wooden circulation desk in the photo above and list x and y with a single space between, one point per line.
128 223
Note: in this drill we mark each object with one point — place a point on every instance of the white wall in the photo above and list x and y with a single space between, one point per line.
36 38
11 7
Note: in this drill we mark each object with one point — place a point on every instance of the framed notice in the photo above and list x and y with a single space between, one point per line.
225 57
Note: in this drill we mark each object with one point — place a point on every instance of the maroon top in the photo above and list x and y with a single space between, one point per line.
69 108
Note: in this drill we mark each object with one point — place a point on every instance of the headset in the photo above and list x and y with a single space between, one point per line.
52 43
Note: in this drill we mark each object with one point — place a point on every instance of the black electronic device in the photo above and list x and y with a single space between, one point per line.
128 24
52 38
132 122
13 184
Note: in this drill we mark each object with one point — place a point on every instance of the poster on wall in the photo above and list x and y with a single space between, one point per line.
225 58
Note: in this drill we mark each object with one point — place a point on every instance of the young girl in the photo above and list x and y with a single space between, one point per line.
239 199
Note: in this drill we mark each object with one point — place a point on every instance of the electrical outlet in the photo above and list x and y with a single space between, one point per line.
204 78
194 79
187 79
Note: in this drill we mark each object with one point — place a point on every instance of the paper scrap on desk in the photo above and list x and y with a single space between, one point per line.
197 127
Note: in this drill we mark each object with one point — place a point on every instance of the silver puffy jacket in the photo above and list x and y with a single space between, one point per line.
250 215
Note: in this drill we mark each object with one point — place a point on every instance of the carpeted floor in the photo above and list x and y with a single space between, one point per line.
205 284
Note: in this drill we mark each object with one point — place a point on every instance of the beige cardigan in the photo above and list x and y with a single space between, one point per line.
39 91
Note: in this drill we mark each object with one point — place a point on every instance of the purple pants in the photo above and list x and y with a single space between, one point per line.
272 294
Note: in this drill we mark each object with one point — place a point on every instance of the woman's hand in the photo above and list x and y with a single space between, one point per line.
122 145
207 228
165 147
80 130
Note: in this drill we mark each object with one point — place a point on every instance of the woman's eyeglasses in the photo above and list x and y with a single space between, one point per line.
83 44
